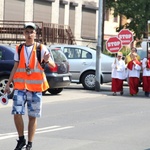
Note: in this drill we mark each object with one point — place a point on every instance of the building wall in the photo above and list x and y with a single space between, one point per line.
1 9
28 10
80 15
110 25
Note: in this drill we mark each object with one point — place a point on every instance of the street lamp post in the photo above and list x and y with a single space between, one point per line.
99 46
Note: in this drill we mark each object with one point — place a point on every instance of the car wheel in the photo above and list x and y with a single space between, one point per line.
3 82
88 80
55 91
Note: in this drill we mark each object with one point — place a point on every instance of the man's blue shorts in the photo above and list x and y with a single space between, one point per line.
33 100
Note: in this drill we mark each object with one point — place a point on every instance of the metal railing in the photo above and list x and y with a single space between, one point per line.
48 33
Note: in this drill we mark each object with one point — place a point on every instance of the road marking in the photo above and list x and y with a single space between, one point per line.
38 131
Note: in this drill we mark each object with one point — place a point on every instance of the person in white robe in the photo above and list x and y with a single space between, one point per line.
118 74
133 69
146 74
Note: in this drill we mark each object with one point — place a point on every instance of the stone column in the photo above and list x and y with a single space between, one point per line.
66 19
1 9
28 15
78 19
55 12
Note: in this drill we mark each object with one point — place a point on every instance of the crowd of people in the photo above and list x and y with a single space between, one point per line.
130 70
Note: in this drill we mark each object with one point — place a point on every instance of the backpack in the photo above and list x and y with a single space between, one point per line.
38 53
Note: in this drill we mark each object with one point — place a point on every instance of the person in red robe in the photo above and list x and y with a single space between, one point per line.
134 67
118 74
146 74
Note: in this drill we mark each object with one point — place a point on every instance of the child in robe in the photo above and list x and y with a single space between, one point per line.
133 68
118 74
146 74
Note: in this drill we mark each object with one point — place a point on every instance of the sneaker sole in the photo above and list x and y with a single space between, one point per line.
23 148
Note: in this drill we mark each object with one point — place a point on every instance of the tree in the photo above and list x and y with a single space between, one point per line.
138 11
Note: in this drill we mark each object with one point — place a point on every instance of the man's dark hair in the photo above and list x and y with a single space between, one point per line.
134 48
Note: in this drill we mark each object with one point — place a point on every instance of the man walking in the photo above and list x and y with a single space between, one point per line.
29 82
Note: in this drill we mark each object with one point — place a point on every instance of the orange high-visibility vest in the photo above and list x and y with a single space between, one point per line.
36 81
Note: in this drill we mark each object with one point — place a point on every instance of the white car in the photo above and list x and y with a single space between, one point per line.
82 62
142 53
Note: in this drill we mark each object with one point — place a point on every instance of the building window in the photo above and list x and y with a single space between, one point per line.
72 18
116 19
88 28
14 10
61 14
42 11
106 14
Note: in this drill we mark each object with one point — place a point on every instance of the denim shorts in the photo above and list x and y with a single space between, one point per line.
32 99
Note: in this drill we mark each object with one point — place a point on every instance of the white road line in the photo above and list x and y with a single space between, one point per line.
47 128
12 133
38 131
63 128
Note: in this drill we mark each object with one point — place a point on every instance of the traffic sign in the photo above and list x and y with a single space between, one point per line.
126 36
113 44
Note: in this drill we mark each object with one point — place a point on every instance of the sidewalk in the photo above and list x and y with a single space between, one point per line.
76 91
105 89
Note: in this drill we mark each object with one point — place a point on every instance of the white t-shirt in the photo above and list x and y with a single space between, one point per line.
146 72
28 51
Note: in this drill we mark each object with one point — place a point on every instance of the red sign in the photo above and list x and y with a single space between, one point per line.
126 36
113 44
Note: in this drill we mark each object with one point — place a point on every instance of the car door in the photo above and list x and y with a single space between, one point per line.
79 60
6 59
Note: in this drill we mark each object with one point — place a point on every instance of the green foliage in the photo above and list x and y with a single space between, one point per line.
125 51
136 10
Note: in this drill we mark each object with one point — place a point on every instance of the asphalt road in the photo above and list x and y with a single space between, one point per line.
78 119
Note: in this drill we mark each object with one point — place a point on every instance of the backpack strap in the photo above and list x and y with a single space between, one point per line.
19 50
38 54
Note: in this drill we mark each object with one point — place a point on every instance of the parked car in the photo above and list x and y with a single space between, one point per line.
58 77
142 53
6 63
82 62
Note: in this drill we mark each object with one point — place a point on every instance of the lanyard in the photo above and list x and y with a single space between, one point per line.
28 55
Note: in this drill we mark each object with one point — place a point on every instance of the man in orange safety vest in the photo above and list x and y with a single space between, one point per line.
29 82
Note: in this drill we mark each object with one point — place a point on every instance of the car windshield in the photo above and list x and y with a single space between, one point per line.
142 53
58 55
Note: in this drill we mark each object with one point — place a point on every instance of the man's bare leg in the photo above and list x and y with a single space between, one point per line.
19 124
18 120
31 129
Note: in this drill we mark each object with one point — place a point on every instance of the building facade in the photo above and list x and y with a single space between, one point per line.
80 15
